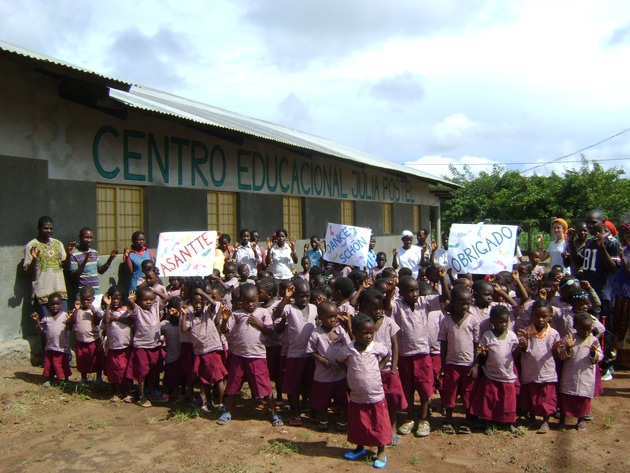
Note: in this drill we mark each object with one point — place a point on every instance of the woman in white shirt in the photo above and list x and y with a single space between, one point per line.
558 249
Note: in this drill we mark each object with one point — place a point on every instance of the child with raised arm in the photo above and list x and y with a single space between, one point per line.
459 336
494 397
244 329
146 359
329 380
314 253
268 299
297 319
208 370
368 420
577 379
85 320
174 377
372 303
118 325
410 311
538 366
55 324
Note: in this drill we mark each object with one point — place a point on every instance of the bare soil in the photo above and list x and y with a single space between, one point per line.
54 429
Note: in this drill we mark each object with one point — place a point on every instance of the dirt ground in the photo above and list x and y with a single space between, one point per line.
53 429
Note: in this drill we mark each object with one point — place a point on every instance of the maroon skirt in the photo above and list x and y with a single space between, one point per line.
146 364
394 394
57 364
174 375
539 399
187 359
416 374
323 393
574 406
209 368
90 357
116 363
456 381
368 424
494 401
252 370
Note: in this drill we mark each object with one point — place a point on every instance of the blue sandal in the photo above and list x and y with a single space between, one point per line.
355 455
276 421
225 418
380 464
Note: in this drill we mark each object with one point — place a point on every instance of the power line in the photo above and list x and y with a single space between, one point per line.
579 150
513 164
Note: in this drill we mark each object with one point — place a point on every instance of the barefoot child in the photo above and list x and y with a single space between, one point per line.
85 320
200 321
577 380
55 324
494 397
538 366
459 336
118 325
146 358
329 381
244 329
368 420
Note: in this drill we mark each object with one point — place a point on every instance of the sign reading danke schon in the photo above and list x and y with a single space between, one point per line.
133 156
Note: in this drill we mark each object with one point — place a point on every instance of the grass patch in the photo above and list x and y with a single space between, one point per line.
415 459
279 447
609 421
182 415
231 467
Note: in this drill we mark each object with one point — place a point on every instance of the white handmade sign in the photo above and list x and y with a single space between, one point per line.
481 249
347 245
186 253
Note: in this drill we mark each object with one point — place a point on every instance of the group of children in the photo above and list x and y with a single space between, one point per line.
344 343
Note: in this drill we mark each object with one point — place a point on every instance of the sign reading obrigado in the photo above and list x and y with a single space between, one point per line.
133 156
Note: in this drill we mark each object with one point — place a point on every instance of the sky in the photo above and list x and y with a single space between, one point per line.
520 83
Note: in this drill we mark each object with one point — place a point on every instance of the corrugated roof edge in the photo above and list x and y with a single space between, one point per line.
17 51
157 101
168 104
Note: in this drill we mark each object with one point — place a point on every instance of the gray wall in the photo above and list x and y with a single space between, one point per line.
369 215
317 213
260 212
172 210
402 216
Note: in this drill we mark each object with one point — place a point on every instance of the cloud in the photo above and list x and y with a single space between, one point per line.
402 88
45 26
619 37
297 33
151 59
440 165
294 113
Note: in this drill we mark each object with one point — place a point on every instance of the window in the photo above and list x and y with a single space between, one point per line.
222 213
119 213
416 218
292 216
347 212
387 219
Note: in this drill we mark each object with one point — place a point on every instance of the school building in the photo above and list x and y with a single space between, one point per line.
90 150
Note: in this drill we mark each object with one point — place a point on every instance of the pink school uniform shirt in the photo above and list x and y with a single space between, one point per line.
173 345
461 339
435 319
147 326
578 373
204 334
56 329
413 337
481 313
85 329
322 345
298 329
499 365
119 334
363 373
384 334
274 340
537 362
244 339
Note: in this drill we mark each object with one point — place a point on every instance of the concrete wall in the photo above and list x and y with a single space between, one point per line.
317 214
259 212
172 210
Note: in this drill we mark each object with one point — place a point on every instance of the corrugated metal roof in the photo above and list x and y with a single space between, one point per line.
13 52
163 103
160 102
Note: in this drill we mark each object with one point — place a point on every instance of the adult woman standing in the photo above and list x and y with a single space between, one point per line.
408 255
134 256
280 255
558 250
